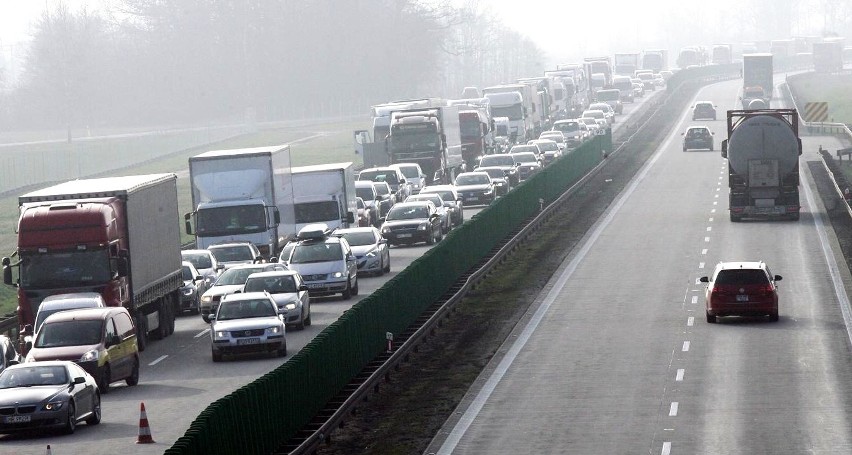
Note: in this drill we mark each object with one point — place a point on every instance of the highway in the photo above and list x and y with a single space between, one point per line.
616 357
178 378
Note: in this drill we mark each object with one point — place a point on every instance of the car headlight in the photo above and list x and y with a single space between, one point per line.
53 406
273 330
337 274
290 306
221 334
189 291
386 230
206 299
90 356
424 226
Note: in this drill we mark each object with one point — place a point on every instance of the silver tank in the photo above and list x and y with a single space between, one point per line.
763 137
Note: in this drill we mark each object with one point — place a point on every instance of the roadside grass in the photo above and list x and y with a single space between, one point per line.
831 88
328 143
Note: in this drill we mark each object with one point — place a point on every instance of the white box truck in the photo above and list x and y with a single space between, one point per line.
242 194
324 193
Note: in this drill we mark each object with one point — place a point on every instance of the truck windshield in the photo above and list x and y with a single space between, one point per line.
241 219
470 128
514 112
315 212
65 269
410 140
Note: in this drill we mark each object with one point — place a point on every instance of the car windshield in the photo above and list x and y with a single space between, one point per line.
382 189
738 277
446 196
472 179
199 260
494 173
33 376
548 146
594 114
697 132
360 238
242 309
523 148
552 137
409 172
316 252
434 198
69 333
367 194
236 276
187 273
497 160
280 284
566 127
525 157
379 176
408 212
234 253
50 270
589 121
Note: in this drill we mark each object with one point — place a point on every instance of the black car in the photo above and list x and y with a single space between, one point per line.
475 188
697 137
498 178
413 222
452 201
704 110
192 288
504 161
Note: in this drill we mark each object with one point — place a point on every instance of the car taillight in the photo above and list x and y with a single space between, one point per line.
767 290
718 294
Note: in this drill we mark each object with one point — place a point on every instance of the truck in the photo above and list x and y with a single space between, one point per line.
542 86
655 60
599 65
242 194
757 79
692 56
116 236
324 193
476 128
515 101
828 56
722 54
429 137
762 149
626 64
576 85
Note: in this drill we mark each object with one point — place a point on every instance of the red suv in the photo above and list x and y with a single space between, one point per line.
741 289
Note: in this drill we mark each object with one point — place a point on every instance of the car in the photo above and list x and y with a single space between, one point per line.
529 164
704 110
247 322
230 281
413 175
365 217
392 176
555 136
625 88
659 81
593 125
550 150
446 223
572 130
190 297
207 265
745 288
325 261
638 88
288 291
697 137
498 178
504 161
609 112
647 81
385 198
9 354
233 253
366 190
666 74
370 249
476 187
610 97
528 148
413 222
101 340
452 201
61 302
600 117
48 395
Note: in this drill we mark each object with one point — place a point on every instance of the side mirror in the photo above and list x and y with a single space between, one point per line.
187 223
778 277
220 266
273 259
7 271
212 316
28 345
704 279
79 380
113 340
13 362
28 330
303 287
198 278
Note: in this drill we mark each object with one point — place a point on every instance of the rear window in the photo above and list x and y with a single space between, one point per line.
737 277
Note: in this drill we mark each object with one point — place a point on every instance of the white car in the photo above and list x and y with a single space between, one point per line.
599 116
609 111
593 125
414 175
555 136
369 247
230 281
325 261
289 293
206 264
247 322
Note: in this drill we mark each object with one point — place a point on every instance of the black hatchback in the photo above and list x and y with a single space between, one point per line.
697 137
704 110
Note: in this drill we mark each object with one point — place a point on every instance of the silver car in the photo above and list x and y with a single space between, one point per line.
247 322
206 264
370 249
289 292
452 201
230 281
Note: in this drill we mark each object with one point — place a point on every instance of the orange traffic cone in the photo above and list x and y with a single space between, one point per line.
144 431
48 450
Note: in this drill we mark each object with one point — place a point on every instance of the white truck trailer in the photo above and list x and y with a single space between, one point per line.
324 193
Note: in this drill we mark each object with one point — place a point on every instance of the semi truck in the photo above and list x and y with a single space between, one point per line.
655 60
476 128
757 79
241 194
576 87
116 236
626 64
515 101
599 65
722 54
763 148
429 137
324 193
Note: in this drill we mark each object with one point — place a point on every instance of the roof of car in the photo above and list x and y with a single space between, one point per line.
207 252
413 203
741 265
245 296
229 243
258 265
354 229
84 314
273 273
472 173
438 188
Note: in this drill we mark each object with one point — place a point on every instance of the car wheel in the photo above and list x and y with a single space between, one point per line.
711 319
205 317
387 266
197 308
431 239
71 421
141 334
133 379
105 380
355 288
217 355
282 351
95 417
308 319
773 317
735 218
347 294
440 234
301 324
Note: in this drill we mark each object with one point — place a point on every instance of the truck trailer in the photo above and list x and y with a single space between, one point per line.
655 60
515 101
429 137
626 64
324 193
763 149
757 79
116 236
242 194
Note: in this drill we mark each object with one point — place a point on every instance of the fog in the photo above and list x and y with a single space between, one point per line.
137 62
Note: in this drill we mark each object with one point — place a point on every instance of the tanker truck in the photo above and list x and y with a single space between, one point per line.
763 149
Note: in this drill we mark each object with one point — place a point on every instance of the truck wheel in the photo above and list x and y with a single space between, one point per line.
133 379
105 380
163 327
141 333
387 266
773 317
217 355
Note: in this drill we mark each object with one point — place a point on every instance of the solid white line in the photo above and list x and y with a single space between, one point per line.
159 359
690 321
685 346
704 251
202 333
667 448
673 409
679 376
700 265
466 420
695 299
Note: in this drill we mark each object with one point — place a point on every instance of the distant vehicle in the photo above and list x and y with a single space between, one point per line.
365 214
230 281
593 125
600 117
385 198
609 111
741 289
638 89
366 190
529 164
413 175
704 110
452 201
476 187
446 223
230 254
625 88
647 80
498 179
530 147
412 222
611 97
62 302
550 150
325 261
504 161
370 249
666 74
757 78
9 354
60 393
190 296
324 193
206 264
247 322
390 175
471 92
697 137
571 130
289 293
555 136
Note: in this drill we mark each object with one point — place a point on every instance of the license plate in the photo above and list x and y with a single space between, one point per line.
404 236
473 198
315 286
248 341
742 298
17 419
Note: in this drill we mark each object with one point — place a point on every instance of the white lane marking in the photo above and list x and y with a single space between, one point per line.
685 347
202 333
704 251
673 409
718 189
700 265
709 228
710 219
715 195
690 321
482 396
712 210
695 299
667 448
706 239
715 202
159 359
679 376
